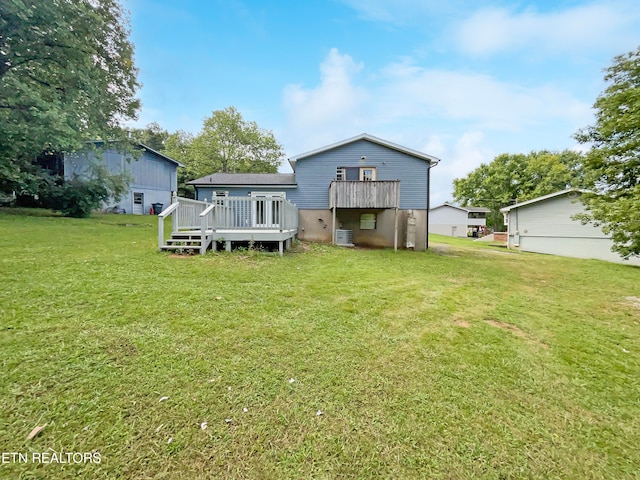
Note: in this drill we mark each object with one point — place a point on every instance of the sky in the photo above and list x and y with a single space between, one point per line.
461 80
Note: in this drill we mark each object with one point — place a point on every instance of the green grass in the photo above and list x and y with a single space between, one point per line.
463 362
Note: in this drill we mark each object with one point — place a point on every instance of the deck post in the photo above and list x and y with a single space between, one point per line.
395 232
174 217
280 250
333 226
160 232
227 246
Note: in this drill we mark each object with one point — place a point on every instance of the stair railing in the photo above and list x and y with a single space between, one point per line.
206 217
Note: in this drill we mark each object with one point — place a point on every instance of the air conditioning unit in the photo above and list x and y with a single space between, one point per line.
344 237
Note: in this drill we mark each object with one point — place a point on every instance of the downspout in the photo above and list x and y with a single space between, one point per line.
431 165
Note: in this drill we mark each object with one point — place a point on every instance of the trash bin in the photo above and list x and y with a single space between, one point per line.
157 208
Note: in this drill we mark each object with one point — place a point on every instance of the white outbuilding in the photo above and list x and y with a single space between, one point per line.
546 225
456 221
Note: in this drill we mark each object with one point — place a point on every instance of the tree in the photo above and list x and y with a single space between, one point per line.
613 163
153 136
518 177
80 195
226 144
66 76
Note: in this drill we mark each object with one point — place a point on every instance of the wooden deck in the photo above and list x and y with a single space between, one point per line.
198 226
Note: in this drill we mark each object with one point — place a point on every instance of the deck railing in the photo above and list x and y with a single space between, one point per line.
254 213
228 213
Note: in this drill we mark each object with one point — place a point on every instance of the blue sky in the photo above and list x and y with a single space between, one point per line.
461 80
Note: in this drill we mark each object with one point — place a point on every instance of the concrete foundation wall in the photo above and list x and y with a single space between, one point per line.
316 225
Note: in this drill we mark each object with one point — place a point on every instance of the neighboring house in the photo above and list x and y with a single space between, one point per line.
363 191
456 221
545 225
154 175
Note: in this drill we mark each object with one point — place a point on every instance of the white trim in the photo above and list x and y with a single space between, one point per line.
544 197
365 136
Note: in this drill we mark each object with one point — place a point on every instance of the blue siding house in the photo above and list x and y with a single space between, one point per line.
362 191
154 175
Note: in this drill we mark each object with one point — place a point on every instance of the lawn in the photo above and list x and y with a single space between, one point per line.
466 361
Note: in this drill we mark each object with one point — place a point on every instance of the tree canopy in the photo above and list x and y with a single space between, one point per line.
227 143
613 163
67 75
153 136
518 177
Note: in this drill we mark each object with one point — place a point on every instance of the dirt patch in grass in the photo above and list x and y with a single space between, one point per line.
633 301
462 323
516 331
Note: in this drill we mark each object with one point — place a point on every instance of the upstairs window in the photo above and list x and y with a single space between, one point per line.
341 174
367 174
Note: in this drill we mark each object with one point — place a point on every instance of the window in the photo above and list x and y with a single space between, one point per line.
368 221
218 197
367 174
341 174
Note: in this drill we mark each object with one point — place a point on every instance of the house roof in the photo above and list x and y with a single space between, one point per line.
161 155
365 136
544 197
143 147
246 179
465 209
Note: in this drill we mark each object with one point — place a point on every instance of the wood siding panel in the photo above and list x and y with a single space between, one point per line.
153 176
378 194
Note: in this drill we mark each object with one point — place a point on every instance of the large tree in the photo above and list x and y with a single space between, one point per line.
227 143
518 177
152 136
614 160
66 76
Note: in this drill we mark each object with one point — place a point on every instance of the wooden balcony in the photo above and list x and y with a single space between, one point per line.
358 194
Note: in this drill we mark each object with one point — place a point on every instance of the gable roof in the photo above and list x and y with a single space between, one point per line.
544 197
161 155
143 147
246 179
465 209
365 136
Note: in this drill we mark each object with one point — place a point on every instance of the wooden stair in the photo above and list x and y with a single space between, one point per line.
186 242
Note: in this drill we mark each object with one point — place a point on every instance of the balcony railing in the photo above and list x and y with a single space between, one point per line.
360 194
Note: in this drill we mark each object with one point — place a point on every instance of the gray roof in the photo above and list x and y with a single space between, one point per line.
161 155
240 179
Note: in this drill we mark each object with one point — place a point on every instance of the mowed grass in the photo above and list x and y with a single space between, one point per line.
462 362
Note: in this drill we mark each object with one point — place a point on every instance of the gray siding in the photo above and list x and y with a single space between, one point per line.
547 227
315 173
152 175
207 192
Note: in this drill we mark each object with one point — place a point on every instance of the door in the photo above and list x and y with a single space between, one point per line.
138 203
266 209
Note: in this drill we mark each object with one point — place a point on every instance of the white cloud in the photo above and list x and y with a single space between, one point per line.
476 98
315 110
463 118
596 26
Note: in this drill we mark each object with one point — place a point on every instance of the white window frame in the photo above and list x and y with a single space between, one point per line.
341 173
367 178
266 214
